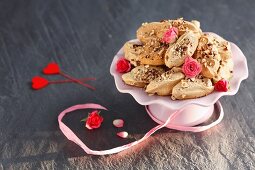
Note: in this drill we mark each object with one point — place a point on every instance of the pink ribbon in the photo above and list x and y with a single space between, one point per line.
71 136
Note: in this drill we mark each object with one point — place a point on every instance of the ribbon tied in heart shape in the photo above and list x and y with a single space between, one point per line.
71 136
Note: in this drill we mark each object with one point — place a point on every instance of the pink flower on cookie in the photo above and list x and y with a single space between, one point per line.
221 85
170 36
191 68
123 65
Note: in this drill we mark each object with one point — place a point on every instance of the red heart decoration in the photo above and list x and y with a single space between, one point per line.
51 68
39 82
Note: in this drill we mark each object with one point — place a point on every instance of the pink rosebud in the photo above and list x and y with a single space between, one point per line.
191 68
170 36
221 85
123 65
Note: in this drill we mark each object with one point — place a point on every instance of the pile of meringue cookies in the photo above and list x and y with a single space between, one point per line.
175 58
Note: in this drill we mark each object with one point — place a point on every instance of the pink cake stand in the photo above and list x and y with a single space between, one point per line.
192 111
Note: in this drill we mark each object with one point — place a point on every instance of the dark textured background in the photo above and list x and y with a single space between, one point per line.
83 36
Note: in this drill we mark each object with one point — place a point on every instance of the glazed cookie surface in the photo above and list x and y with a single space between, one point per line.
148 54
214 54
185 46
188 89
164 84
142 75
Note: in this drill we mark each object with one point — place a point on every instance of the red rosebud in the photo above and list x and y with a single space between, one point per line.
221 85
191 68
94 120
123 65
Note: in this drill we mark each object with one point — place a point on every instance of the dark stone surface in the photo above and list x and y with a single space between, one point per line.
83 36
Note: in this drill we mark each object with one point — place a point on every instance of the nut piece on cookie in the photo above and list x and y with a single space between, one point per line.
185 46
164 84
151 54
142 75
187 89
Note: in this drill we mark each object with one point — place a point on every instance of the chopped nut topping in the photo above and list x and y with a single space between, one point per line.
152 32
173 98
212 53
146 74
184 84
145 23
211 63
183 95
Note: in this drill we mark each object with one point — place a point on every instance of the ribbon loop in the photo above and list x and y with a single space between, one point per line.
71 136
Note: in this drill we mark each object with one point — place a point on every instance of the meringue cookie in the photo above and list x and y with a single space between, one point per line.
142 75
187 89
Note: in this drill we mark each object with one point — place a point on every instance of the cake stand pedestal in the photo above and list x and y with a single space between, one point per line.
189 115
